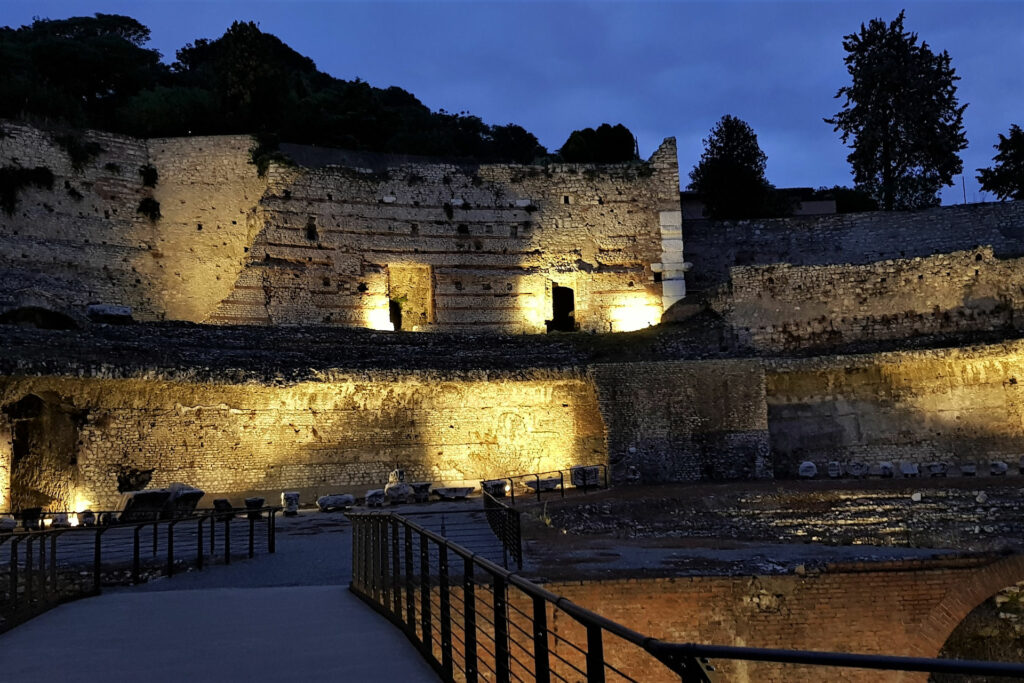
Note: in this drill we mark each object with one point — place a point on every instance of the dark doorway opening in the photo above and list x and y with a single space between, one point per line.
563 310
395 314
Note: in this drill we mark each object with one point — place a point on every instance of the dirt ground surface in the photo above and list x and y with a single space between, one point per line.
769 527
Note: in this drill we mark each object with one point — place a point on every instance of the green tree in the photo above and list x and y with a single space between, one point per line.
606 145
901 116
729 178
1006 178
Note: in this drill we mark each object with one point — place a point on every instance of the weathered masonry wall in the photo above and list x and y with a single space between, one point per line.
457 247
82 241
906 610
494 247
337 435
714 247
951 405
784 307
684 421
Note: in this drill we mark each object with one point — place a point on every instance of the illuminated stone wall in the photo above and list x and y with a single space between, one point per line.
951 405
785 307
476 248
81 242
344 434
488 242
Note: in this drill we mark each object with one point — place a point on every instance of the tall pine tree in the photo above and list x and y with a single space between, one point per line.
901 116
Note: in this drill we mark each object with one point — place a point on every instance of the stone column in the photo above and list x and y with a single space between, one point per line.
672 266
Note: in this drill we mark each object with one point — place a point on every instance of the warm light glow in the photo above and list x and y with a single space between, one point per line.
81 504
634 313
379 318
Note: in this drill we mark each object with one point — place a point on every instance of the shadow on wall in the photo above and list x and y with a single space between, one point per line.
41 318
921 408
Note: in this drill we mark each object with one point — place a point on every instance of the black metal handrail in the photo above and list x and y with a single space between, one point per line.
472 619
42 568
505 524
535 478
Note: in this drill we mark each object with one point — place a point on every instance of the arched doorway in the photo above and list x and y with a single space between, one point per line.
44 447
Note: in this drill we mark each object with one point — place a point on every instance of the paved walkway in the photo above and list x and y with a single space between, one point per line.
288 616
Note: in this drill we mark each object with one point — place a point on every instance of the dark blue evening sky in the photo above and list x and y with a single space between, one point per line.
665 68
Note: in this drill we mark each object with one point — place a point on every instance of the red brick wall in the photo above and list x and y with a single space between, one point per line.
884 609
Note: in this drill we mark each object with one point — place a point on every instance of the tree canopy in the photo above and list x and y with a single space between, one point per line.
901 116
1006 178
96 72
606 145
729 178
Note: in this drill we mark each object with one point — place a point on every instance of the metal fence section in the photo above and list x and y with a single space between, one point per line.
583 477
473 620
505 524
43 567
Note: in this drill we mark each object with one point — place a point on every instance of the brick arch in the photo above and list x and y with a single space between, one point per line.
960 599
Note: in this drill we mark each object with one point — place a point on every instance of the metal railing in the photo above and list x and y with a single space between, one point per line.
473 620
537 483
43 567
506 527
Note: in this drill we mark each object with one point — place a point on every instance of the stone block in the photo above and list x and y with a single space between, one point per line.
909 469
375 498
453 492
335 501
290 503
998 468
808 470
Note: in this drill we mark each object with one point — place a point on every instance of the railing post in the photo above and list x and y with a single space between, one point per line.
170 549
410 593
14 569
384 561
252 537
97 558
501 650
272 531
537 477
28 569
561 485
213 535
396 572
595 654
425 598
541 663
53 564
42 566
446 611
135 556
469 627
199 544
518 538
373 555
227 539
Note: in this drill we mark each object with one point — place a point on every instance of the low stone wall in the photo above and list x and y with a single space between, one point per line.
950 405
318 437
684 421
784 307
